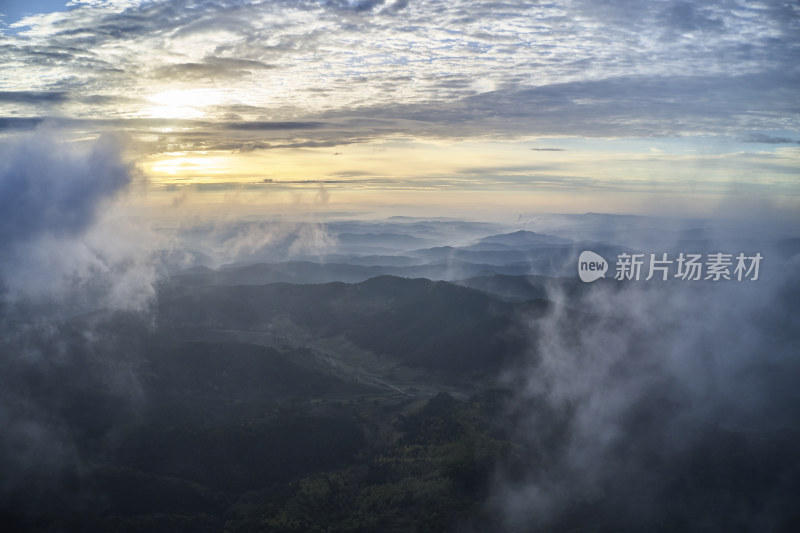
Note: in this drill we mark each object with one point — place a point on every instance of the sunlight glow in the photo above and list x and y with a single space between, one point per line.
183 103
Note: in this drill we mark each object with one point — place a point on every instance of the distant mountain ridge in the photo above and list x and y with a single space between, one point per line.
520 253
524 238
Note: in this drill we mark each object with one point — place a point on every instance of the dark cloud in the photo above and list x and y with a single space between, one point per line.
338 141
358 6
105 100
768 139
267 126
397 6
211 141
49 187
210 68
34 97
640 15
639 106
19 123
78 57
366 5
687 17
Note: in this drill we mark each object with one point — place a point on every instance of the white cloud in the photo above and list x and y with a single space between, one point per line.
62 229
334 56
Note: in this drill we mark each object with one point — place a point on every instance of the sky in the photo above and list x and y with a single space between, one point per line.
468 108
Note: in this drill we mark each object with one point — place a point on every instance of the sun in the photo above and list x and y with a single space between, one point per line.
183 103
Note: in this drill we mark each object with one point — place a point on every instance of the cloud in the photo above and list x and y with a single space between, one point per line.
19 123
210 68
768 139
312 74
613 107
63 235
33 97
683 17
641 401
626 107
233 241
68 247
267 126
51 188
370 62
358 6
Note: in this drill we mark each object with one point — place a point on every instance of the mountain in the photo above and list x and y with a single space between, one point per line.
369 406
511 288
281 406
304 272
417 322
513 254
523 239
377 241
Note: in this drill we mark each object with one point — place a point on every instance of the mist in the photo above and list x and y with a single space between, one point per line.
68 249
660 406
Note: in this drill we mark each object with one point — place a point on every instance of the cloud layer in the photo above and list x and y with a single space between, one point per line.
560 68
